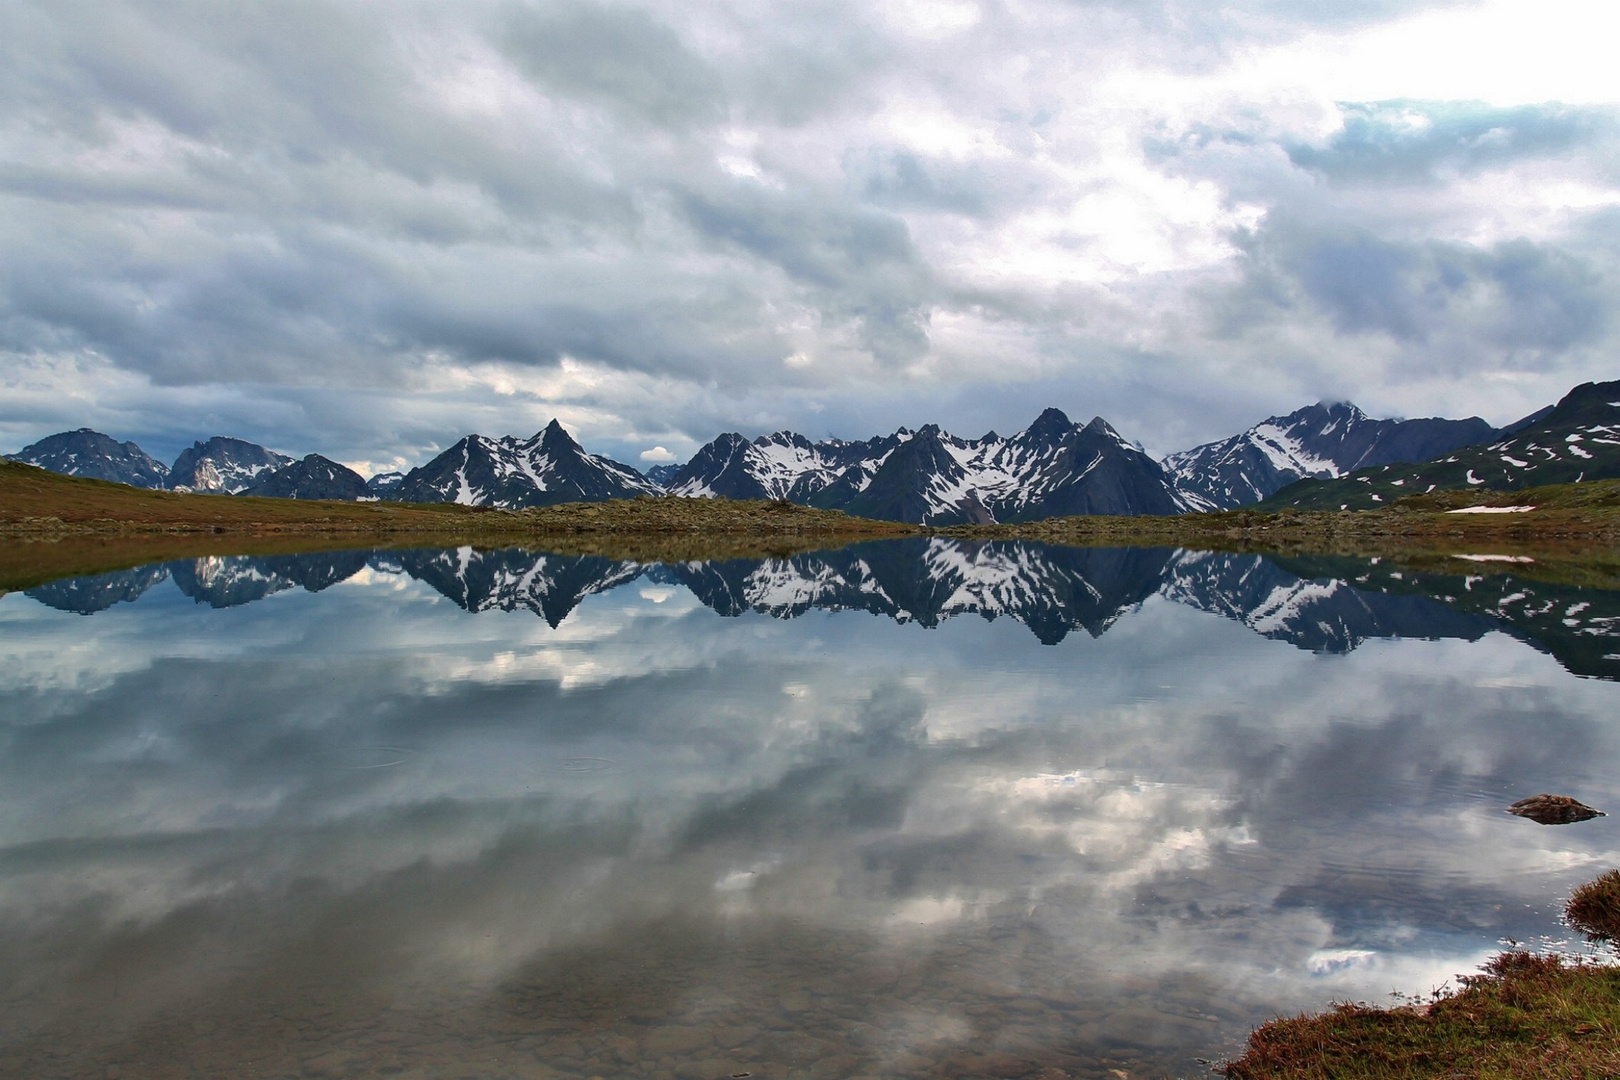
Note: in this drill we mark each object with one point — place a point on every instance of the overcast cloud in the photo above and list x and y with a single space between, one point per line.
368 229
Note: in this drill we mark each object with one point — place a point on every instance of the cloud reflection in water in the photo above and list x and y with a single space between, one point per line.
876 845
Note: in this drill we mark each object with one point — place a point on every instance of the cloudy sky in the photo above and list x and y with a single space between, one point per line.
367 229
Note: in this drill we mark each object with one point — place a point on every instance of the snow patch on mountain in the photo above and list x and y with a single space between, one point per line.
1321 441
95 456
931 476
512 473
223 465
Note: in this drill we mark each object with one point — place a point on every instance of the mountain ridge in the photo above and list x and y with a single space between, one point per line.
222 464
930 477
1576 439
1053 468
510 473
88 453
1321 441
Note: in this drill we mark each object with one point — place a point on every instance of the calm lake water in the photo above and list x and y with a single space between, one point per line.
907 809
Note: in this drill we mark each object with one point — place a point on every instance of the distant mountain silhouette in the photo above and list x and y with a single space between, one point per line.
313 477
928 476
1322 456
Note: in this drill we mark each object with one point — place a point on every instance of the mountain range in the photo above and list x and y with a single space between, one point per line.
1577 439
1328 455
929 476
1320 441
1329 605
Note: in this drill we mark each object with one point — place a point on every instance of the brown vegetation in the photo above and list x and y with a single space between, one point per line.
55 526
1594 908
1573 535
1569 520
39 504
1526 1016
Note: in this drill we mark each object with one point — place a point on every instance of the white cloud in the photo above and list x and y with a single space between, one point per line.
661 221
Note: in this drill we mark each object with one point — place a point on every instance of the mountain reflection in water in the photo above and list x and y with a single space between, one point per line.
1170 795
1321 604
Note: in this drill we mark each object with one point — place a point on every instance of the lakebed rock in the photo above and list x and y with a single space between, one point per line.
1547 809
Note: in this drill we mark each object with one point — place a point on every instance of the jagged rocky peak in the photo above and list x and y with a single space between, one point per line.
548 468
555 438
930 476
782 465
1102 427
223 464
785 438
96 456
1325 440
313 477
1052 424
384 484
662 474
1577 439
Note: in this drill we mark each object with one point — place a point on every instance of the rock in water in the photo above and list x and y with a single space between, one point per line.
1554 810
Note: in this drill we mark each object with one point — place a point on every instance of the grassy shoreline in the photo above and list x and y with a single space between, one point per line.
1523 1016
56 526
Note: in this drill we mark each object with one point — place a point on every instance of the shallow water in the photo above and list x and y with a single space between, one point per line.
366 814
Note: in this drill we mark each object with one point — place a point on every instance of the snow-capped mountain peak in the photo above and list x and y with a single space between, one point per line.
783 465
930 476
223 464
1323 441
545 469
91 454
313 477
1578 439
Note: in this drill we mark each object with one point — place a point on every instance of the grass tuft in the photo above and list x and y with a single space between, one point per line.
1524 1016
1594 908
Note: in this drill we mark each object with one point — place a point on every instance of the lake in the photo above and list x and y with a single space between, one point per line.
914 808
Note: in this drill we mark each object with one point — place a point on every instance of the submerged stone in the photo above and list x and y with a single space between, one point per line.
1554 810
